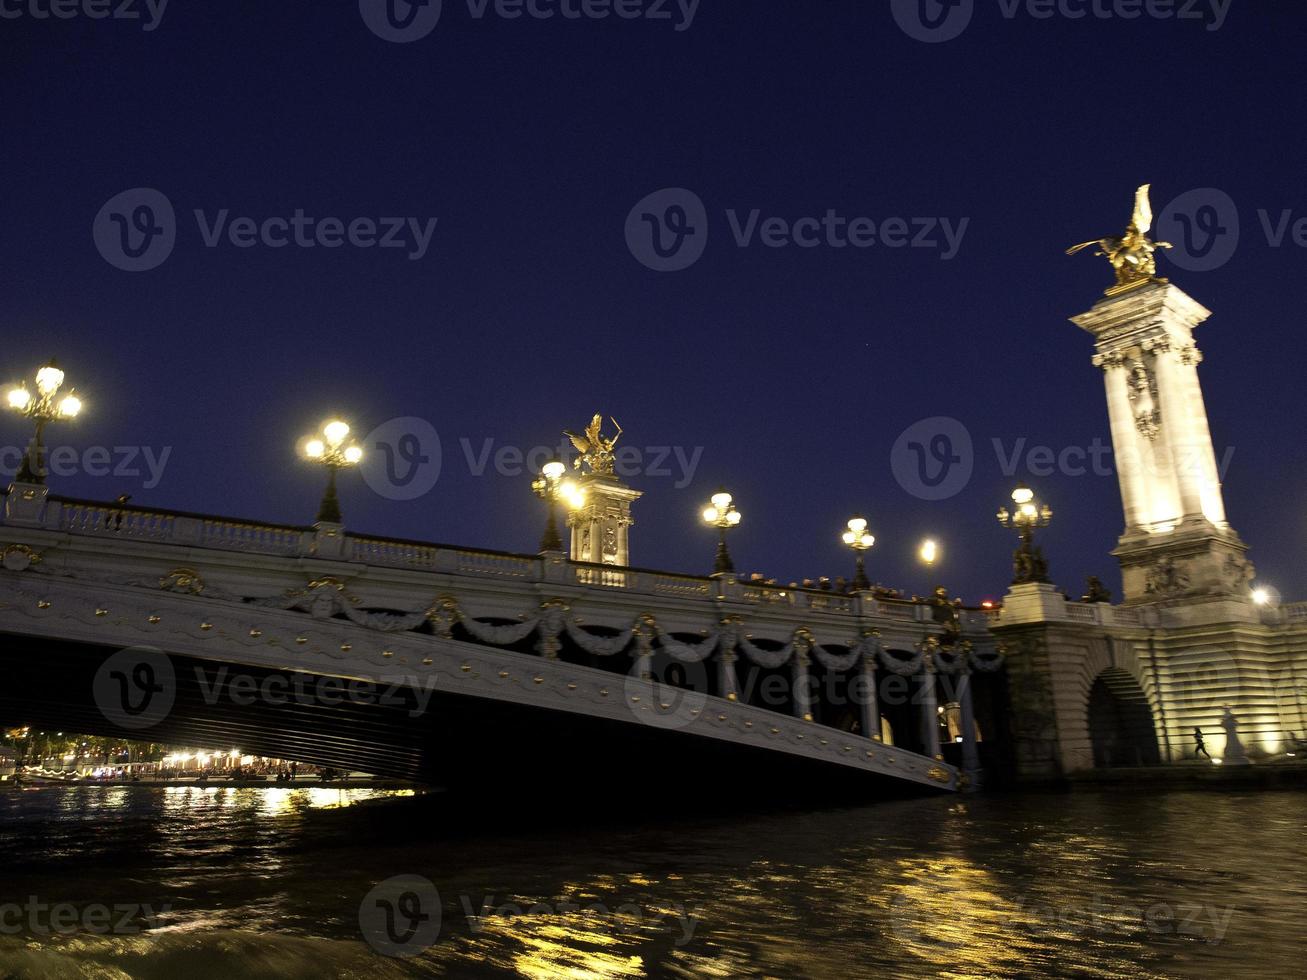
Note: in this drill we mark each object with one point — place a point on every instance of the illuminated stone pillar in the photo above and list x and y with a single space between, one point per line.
600 527
1177 544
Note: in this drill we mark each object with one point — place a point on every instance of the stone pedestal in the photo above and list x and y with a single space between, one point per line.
1177 544
25 504
600 526
329 540
1033 602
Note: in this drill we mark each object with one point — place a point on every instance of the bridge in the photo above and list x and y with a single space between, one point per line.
464 667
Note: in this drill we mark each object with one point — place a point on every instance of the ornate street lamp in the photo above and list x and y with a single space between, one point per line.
44 407
857 538
550 487
721 514
330 449
1028 564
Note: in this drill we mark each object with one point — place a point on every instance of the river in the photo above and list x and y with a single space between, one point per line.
197 883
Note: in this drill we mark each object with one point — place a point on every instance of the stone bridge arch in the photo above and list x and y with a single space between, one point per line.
1080 700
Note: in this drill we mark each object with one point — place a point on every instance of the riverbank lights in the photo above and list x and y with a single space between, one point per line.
332 449
722 514
550 487
929 551
857 538
1027 514
43 407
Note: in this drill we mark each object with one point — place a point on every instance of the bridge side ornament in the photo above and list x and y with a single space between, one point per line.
1132 255
184 581
1143 397
19 557
1166 578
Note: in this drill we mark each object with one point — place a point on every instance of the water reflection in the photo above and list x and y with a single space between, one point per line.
269 881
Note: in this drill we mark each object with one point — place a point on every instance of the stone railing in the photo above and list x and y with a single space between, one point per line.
161 527
1294 612
1043 603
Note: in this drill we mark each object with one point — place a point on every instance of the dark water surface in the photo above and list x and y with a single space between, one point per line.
269 883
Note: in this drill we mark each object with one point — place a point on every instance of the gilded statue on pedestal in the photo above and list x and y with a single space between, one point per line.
1132 255
595 448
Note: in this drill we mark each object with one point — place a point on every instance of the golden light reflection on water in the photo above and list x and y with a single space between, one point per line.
1013 885
951 915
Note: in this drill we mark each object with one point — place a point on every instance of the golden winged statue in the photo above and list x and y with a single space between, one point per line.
596 449
1132 255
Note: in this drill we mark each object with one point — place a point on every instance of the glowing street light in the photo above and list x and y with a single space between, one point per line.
550 487
331 449
928 552
721 514
857 538
1028 561
1265 596
44 407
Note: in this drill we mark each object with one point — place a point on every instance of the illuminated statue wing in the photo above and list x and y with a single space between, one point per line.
1143 218
1082 246
581 443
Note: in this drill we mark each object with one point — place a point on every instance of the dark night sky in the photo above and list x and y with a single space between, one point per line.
794 369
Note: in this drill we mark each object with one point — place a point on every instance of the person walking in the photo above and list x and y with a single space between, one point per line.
1200 747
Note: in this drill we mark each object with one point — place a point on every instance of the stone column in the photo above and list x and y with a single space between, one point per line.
727 681
929 707
1177 436
870 706
967 720
799 674
1126 457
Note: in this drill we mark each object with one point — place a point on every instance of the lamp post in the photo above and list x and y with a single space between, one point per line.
721 514
550 487
1028 562
857 538
330 449
44 407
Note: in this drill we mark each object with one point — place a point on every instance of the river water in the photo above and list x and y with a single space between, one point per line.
193 883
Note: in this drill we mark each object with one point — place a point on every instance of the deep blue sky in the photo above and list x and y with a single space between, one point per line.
795 369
